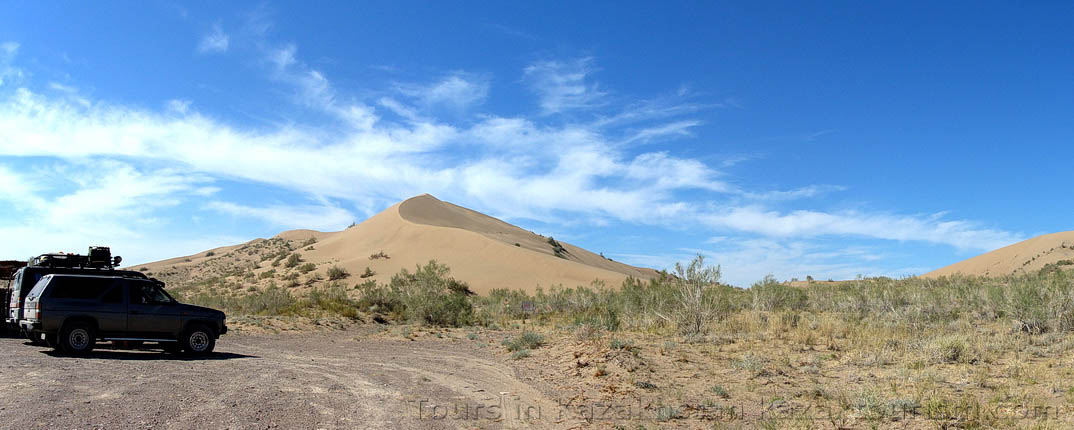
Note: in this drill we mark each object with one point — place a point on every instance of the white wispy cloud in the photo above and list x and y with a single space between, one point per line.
8 71
801 223
562 85
67 205
216 41
674 129
457 91
318 217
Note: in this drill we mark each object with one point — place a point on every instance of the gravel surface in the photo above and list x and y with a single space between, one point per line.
339 380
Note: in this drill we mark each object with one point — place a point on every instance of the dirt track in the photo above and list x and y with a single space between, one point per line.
340 380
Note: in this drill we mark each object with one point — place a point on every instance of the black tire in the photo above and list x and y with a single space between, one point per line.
198 340
77 338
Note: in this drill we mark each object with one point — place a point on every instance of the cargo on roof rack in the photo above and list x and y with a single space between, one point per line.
98 257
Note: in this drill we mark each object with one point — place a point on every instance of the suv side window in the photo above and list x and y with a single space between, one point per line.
147 294
115 295
78 288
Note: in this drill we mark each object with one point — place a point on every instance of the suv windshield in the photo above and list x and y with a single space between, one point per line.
149 294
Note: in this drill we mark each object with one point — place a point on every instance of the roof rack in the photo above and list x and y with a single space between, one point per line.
98 257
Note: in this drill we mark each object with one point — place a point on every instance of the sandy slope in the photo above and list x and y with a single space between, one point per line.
479 249
485 252
1027 256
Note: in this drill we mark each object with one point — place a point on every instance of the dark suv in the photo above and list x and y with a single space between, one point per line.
72 312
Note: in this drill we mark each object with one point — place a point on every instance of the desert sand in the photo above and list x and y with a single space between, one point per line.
1023 257
483 251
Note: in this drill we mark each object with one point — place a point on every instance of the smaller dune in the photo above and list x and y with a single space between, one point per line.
1023 257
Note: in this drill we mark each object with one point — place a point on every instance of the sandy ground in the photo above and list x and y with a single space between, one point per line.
333 380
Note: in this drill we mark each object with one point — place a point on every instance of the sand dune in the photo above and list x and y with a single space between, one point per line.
485 252
1023 257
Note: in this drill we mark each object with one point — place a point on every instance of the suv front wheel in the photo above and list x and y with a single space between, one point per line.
198 339
77 338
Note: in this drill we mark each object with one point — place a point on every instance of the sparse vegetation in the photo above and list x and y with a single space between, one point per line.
524 341
292 261
306 268
368 273
557 248
336 273
379 255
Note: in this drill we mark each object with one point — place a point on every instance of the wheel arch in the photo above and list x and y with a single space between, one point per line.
211 325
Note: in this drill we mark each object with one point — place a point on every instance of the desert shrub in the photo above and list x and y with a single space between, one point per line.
429 295
524 341
333 298
336 273
379 255
292 261
380 299
368 273
520 354
306 268
557 248
210 253
268 274
308 242
770 295
700 299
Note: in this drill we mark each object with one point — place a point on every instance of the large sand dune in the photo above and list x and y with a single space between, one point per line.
484 252
1023 257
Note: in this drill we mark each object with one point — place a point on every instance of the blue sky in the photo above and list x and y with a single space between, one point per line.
777 138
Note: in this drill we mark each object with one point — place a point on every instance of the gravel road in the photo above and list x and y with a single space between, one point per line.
338 380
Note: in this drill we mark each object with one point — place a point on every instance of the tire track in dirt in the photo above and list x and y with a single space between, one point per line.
326 381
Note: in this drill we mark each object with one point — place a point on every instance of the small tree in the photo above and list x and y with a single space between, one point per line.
698 296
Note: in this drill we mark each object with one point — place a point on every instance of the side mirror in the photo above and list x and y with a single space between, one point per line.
116 260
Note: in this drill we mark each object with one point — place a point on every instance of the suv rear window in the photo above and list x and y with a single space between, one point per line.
79 288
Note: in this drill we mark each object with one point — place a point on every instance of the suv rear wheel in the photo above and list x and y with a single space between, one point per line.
198 339
77 338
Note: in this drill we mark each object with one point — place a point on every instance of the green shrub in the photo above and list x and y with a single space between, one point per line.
336 273
333 298
520 354
368 273
306 268
292 261
427 296
770 295
525 341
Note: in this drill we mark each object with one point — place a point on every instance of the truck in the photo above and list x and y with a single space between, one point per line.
7 274
97 261
72 312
